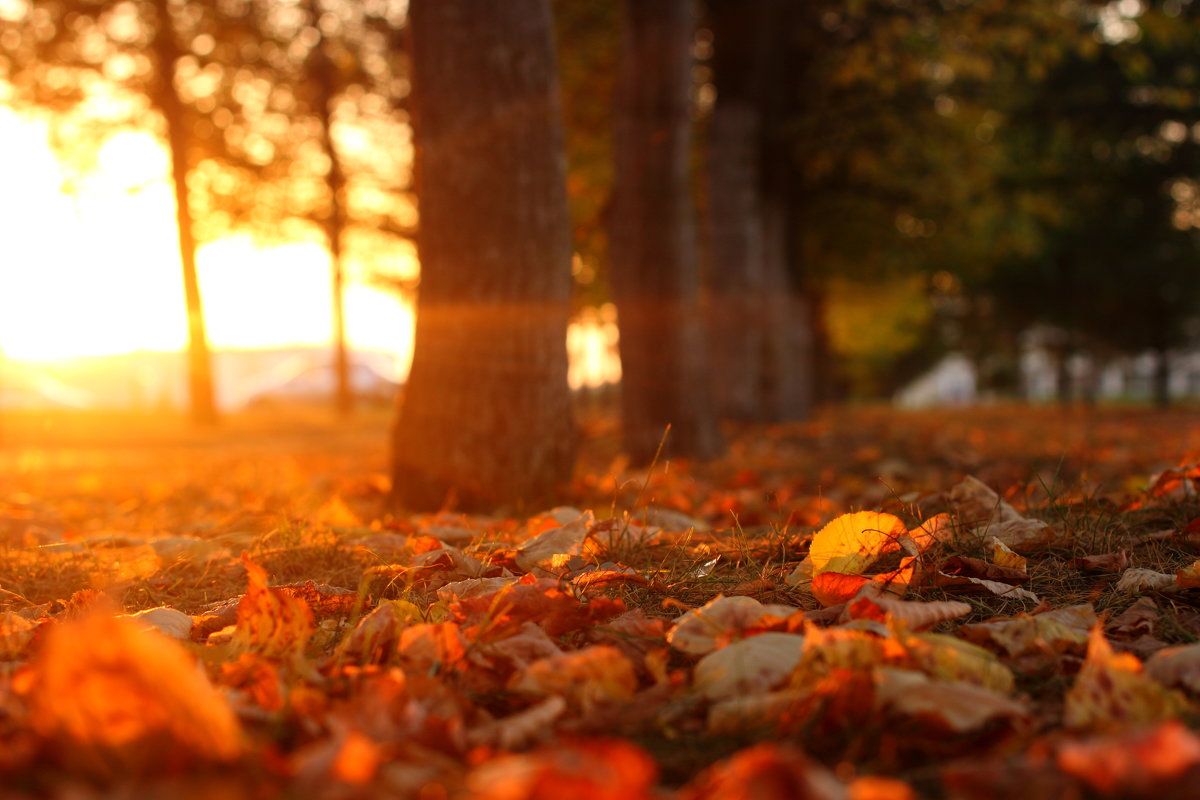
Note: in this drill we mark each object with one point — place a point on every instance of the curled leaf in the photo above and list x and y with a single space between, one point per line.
954 706
873 603
1136 579
175 624
270 621
722 619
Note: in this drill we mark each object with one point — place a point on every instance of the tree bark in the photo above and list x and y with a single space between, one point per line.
486 416
1162 378
324 72
655 273
170 105
761 324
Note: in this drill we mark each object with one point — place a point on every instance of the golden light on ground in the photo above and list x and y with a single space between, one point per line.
96 271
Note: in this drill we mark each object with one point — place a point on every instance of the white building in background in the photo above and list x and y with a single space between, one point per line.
952 382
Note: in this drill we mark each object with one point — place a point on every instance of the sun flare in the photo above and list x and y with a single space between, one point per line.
95 271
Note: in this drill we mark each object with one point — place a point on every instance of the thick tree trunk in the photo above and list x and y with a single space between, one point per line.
200 381
486 416
335 221
655 274
760 324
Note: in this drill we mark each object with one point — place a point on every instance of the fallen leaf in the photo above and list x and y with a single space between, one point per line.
1176 667
547 553
721 620
1111 693
1040 633
768 771
1004 556
520 730
1105 562
109 692
1139 763
750 666
1136 579
270 621
597 769
987 514
1189 576
852 542
586 678
872 602
954 706
169 621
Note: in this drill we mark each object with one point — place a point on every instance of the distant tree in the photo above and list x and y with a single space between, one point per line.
655 271
760 324
67 56
486 416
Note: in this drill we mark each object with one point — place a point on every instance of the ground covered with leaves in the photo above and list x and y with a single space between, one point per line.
871 605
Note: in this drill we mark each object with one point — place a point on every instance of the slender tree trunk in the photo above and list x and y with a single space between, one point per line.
324 71
486 416
167 52
655 272
1162 378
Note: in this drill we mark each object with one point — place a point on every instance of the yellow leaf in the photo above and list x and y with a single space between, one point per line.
1111 693
852 542
1052 632
948 658
1005 556
1189 576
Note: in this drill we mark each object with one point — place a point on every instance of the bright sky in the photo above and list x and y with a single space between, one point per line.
98 272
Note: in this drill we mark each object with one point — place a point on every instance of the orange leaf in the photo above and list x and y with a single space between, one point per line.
113 693
270 621
831 588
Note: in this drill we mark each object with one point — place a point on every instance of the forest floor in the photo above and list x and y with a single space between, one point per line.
874 604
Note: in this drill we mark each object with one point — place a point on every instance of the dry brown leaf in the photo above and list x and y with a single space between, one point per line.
270 621
1177 667
750 666
1040 633
1136 579
987 514
721 620
597 769
1111 693
957 707
873 603
1105 562
522 729
596 675
547 553
169 621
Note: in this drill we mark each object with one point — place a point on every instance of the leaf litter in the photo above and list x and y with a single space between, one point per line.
778 624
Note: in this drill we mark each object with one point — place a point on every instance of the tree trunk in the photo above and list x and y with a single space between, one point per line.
335 222
486 416
761 324
655 274
1162 378
169 104
736 325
